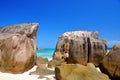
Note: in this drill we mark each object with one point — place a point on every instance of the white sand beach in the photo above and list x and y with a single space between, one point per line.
24 76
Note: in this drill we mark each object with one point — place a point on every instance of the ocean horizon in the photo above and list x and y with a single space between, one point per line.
45 53
48 52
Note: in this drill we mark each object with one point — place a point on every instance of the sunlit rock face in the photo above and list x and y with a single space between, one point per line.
78 72
80 47
18 47
111 63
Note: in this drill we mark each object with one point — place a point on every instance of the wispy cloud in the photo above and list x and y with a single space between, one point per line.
112 43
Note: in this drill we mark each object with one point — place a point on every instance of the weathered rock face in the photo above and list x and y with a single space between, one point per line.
96 50
78 52
78 72
18 47
80 47
111 63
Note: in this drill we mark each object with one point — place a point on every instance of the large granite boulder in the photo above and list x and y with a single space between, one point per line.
18 47
80 47
78 72
111 63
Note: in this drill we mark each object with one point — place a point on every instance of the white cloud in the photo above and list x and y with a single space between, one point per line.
112 43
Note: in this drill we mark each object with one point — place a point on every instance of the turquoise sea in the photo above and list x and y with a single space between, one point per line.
46 53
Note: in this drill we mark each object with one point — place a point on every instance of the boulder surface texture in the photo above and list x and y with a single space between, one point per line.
111 63
18 47
80 47
78 72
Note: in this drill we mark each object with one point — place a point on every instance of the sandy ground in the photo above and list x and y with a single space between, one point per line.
24 76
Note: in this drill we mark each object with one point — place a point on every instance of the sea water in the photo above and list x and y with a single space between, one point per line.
45 53
109 48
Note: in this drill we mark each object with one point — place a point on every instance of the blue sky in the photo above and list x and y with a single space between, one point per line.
58 16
